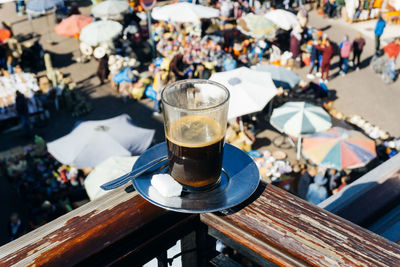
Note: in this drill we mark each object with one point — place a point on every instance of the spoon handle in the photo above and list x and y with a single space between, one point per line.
131 175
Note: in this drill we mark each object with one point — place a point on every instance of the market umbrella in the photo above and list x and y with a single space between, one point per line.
41 6
106 171
100 31
299 118
250 91
183 12
92 142
256 26
4 35
283 19
339 149
110 9
281 76
72 25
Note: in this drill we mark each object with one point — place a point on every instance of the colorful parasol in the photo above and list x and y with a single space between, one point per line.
4 35
72 25
339 149
257 26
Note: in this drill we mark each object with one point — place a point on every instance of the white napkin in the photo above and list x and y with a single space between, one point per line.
166 185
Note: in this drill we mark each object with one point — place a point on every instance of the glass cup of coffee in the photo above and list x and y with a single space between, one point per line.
195 118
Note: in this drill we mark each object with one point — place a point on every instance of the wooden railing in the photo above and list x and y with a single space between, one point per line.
273 226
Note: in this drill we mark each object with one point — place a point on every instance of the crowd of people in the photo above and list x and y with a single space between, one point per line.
196 50
47 188
316 185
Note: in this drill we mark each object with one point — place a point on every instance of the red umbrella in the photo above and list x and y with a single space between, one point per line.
72 25
4 35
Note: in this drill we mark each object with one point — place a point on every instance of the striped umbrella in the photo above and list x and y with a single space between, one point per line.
339 149
298 118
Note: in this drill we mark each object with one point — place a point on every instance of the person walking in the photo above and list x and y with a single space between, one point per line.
305 180
314 61
358 47
15 227
177 66
333 177
345 49
102 69
392 50
295 39
327 54
379 27
317 191
21 104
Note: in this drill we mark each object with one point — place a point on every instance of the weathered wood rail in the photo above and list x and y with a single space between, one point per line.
291 232
276 227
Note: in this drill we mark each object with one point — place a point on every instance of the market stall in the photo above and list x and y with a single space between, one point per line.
9 84
362 10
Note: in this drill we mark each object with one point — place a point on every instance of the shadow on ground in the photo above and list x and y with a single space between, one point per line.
61 60
61 122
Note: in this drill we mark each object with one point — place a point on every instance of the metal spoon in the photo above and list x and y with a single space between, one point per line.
132 175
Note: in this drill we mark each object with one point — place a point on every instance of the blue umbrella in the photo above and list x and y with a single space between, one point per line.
41 6
281 76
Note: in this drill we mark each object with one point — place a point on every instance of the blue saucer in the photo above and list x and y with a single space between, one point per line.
238 182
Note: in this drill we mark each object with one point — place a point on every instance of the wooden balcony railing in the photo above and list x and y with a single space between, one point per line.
274 226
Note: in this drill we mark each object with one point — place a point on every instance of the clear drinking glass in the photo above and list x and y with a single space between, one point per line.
195 119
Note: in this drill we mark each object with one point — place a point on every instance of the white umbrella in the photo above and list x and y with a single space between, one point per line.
110 9
100 31
183 12
282 18
106 171
250 90
92 142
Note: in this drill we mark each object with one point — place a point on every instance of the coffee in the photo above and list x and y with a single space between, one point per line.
195 147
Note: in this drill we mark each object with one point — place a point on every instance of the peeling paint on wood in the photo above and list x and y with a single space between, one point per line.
81 235
278 226
303 234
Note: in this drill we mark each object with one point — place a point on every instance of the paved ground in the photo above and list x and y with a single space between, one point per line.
363 92
360 92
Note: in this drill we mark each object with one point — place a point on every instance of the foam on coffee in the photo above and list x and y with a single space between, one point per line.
195 148
195 131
